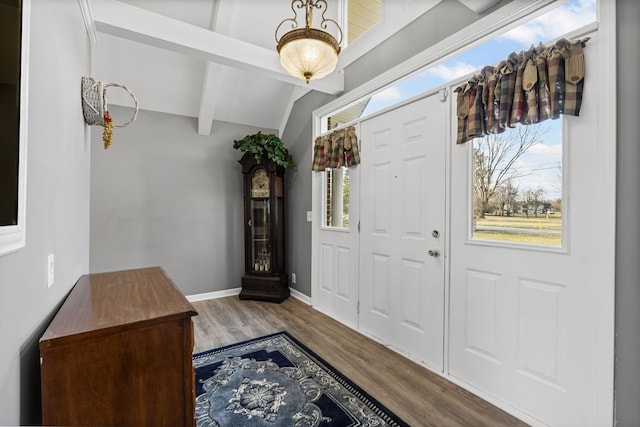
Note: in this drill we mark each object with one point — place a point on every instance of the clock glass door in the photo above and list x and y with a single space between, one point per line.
260 235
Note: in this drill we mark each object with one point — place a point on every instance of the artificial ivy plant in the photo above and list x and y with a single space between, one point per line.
266 146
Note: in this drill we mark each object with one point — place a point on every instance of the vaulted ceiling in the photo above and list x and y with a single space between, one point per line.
216 60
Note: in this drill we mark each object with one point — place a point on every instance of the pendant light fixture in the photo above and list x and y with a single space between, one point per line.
308 53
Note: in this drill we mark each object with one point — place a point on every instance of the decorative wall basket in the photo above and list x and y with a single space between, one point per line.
94 101
94 106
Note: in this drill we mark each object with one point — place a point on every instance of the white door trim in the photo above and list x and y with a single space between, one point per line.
607 131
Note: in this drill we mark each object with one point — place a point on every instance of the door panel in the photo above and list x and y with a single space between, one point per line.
402 188
335 291
524 321
381 285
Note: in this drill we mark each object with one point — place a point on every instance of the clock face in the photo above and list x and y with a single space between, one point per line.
260 184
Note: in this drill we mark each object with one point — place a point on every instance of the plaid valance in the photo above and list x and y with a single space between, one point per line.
526 88
337 149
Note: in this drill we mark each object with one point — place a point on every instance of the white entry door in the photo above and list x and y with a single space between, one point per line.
402 215
335 255
530 326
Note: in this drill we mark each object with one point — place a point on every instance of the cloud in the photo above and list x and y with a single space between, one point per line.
390 94
541 167
449 72
383 99
554 23
544 150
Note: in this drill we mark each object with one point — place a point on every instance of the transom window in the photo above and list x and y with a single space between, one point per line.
557 22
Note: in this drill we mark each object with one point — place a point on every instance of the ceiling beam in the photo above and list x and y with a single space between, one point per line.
132 23
478 6
209 98
212 82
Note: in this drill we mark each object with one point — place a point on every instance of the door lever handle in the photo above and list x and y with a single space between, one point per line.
433 252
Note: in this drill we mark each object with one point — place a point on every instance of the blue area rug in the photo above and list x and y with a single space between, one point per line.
276 381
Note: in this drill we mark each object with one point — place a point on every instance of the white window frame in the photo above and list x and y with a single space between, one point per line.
13 237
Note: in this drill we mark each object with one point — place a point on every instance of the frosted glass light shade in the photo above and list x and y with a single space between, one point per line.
308 53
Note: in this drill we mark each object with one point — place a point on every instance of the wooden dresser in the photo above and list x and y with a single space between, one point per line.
118 352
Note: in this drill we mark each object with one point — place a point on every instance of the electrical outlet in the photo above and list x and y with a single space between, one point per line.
293 278
50 270
309 216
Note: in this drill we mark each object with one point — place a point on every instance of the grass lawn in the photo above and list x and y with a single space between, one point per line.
554 222
506 236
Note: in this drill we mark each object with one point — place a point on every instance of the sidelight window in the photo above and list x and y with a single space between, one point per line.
336 198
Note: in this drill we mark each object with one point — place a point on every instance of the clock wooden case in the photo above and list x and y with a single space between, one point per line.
265 276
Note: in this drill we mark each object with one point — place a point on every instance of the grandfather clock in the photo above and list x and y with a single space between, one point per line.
265 277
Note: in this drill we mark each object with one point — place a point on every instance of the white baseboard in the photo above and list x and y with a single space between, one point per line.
213 295
300 296
236 291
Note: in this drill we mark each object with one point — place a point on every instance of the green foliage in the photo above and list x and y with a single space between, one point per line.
266 146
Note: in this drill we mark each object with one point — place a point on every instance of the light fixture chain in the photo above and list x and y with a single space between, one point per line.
325 20
294 21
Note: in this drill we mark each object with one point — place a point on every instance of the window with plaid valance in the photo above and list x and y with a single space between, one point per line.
526 88
337 149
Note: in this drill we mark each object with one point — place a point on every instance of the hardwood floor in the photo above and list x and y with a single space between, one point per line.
414 393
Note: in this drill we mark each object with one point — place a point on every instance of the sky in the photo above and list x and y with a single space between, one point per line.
564 19
545 158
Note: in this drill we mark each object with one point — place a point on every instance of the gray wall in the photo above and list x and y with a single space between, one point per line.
627 374
164 195
297 137
57 204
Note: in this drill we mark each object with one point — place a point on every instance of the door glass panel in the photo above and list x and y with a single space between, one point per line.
336 207
517 185
260 235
